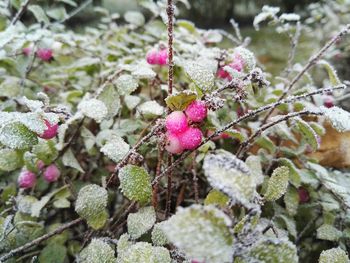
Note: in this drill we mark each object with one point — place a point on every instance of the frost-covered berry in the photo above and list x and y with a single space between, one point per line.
50 132
152 57
26 179
173 144
191 138
157 57
27 51
45 54
304 196
196 111
237 64
51 173
176 122
40 165
328 101
163 57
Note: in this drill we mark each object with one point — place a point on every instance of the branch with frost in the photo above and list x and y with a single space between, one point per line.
20 12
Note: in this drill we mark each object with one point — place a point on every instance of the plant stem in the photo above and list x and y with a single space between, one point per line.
170 13
20 12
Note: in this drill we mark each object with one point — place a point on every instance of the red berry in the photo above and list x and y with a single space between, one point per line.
304 196
328 101
176 122
163 57
45 54
191 138
196 111
50 132
26 179
151 57
51 173
173 144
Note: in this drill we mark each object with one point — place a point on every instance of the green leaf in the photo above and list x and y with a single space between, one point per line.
115 149
135 183
68 159
10 160
97 251
334 255
94 109
266 143
39 13
126 84
91 205
10 87
294 172
291 200
277 184
45 150
58 13
254 164
339 118
187 25
201 232
111 100
158 235
140 222
332 73
134 17
328 232
180 101
308 133
16 135
53 253
150 109
201 76
216 197
230 175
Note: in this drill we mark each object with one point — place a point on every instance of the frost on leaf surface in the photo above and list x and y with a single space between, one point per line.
142 252
91 205
268 12
278 183
110 97
230 175
10 160
140 222
308 133
334 255
339 118
135 183
254 164
202 233
142 71
150 109
332 73
200 75
115 149
158 235
247 57
16 135
97 251
271 250
126 84
94 109
328 232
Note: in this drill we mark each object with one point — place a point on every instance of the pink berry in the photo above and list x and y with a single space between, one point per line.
163 57
152 57
328 101
304 196
26 179
50 132
176 122
222 74
27 51
173 144
196 111
40 165
45 54
237 64
191 138
51 173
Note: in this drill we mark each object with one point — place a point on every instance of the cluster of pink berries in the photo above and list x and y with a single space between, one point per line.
50 131
180 135
237 64
45 54
157 57
27 179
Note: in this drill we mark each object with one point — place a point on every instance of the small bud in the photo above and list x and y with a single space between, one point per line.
191 138
40 165
45 54
50 132
27 51
172 144
163 57
196 111
328 101
176 122
304 196
26 179
151 57
51 173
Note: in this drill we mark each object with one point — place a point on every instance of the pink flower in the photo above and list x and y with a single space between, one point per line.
191 138
51 173
26 179
45 54
196 111
50 132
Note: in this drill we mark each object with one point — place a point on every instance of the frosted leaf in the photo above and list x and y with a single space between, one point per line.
110 98
143 72
230 175
91 205
10 160
180 100
328 232
294 173
32 120
339 118
332 73
94 109
134 17
278 183
150 109
291 200
254 164
142 252
68 159
123 244
16 135
201 232
97 251
33 105
289 17
158 235
200 75
268 12
135 183
334 255
126 84
247 57
140 222
271 250
131 101
309 135
216 197
115 149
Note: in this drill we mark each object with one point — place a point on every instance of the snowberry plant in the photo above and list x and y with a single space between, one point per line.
151 140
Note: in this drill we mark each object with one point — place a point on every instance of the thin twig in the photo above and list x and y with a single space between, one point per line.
169 188
158 171
195 179
170 13
75 11
20 12
294 42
